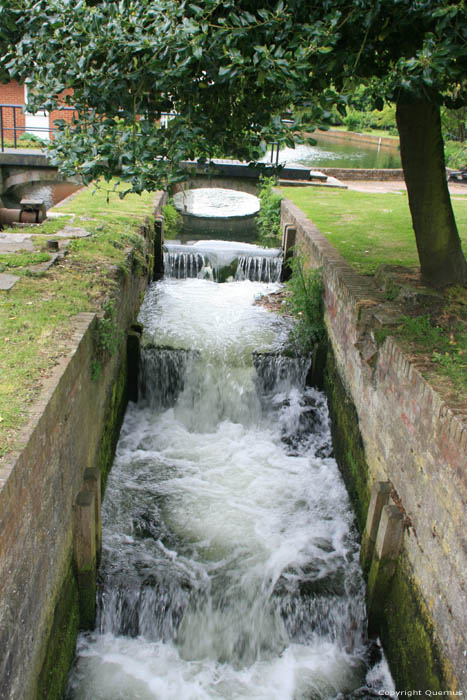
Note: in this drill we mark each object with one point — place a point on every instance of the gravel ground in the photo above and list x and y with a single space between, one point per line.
394 186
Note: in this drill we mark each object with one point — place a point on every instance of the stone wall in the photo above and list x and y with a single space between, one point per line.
364 173
409 437
73 427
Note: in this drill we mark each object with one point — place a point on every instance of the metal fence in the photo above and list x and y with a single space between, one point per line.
13 126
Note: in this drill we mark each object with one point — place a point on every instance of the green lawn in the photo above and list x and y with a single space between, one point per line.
367 228
35 313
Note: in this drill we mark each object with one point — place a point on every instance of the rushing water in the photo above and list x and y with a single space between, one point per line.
221 260
230 558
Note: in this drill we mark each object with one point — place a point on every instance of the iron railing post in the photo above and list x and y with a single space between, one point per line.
14 127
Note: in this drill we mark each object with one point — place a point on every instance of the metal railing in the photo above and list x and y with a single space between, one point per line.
10 114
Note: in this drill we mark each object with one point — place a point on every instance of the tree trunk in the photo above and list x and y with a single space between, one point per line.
439 248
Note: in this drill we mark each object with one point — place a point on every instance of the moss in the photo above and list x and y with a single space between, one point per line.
87 597
61 643
407 634
113 420
347 441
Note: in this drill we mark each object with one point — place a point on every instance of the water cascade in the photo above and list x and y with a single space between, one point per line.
218 213
230 560
221 260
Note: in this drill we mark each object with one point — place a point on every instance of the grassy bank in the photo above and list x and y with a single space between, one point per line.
35 313
372 229
368 229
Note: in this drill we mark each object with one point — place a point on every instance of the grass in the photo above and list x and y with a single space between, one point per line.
370 229
384 133
367 228
35 314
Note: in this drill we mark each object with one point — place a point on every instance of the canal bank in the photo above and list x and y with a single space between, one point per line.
390 427
67 445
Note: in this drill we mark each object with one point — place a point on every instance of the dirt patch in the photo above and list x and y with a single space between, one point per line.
275 301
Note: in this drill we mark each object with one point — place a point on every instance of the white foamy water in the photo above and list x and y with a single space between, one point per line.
216 202
221 259
230 563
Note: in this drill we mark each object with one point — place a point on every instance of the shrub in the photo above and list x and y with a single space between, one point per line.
305 302
269 215
172 220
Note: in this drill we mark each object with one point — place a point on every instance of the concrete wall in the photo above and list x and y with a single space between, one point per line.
74 426
411 438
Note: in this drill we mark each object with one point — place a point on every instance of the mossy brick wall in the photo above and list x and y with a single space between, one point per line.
410 437
74 426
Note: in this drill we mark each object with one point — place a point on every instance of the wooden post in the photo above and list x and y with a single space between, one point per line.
133 361
92 483
84 546
158 271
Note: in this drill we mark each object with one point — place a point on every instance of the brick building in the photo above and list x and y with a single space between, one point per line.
16 119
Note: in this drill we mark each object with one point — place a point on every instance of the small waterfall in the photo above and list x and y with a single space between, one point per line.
276 371
182 265
220 262
230 564
259 269
162 375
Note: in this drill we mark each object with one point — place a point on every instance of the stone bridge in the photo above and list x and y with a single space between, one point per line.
238 175
20 168
24 167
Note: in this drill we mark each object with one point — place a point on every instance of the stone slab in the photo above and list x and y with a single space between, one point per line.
74 232
13 242
7 281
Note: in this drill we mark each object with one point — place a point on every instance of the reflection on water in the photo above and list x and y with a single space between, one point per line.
333 154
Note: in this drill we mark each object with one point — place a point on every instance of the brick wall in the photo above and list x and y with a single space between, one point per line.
65 114
38 488
414 440
12 93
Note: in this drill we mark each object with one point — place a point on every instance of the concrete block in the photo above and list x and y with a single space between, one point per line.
380 495
383 565
389 537
288 244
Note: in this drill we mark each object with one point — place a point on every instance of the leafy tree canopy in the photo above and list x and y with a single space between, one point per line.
229 69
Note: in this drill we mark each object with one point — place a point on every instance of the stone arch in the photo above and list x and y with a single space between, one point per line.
239 184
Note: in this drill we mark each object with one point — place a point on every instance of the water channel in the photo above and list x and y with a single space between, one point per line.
230 565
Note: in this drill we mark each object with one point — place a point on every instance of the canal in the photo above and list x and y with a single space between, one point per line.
230 565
